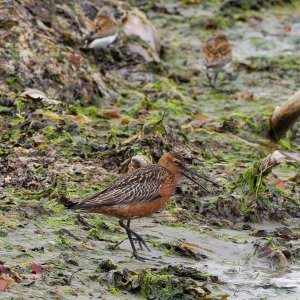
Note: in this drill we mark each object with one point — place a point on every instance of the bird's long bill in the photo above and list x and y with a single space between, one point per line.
187 169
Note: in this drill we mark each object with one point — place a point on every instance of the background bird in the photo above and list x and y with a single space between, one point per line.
216 55
103 29
138 161
139 193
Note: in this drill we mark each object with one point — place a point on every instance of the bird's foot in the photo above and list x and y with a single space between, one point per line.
141 258
138 257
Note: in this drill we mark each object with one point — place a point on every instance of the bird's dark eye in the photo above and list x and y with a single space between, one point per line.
177 162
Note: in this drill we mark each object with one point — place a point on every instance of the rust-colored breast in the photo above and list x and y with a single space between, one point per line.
135 211
129 212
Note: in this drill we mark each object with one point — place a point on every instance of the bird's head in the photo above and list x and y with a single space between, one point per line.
174 162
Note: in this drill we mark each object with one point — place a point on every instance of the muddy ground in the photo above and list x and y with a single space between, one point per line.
99 109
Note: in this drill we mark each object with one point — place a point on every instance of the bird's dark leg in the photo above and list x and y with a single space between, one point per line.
130 232
220 89
209 80
139 238
130 238
140 244
215 79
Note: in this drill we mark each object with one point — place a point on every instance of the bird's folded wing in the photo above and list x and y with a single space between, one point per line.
103 27
101 34
137 187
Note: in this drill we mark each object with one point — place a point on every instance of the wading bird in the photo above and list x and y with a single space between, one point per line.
139 193
103 29
216 55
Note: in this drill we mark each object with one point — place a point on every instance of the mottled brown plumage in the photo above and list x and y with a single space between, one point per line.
137 187
103 31
138 193
216 54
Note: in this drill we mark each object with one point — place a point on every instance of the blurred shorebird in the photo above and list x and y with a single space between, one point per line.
103 30
134 162
216 55
138 161
139 193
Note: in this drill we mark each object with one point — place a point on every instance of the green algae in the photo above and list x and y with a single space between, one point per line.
225 154
168 286
158 286
60 221
253 182
113 291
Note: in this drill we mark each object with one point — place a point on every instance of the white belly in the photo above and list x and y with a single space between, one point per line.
103 42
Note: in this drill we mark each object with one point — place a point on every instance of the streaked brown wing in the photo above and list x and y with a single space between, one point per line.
102 26
140 186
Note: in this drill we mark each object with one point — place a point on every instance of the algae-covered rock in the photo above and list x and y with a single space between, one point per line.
159 284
